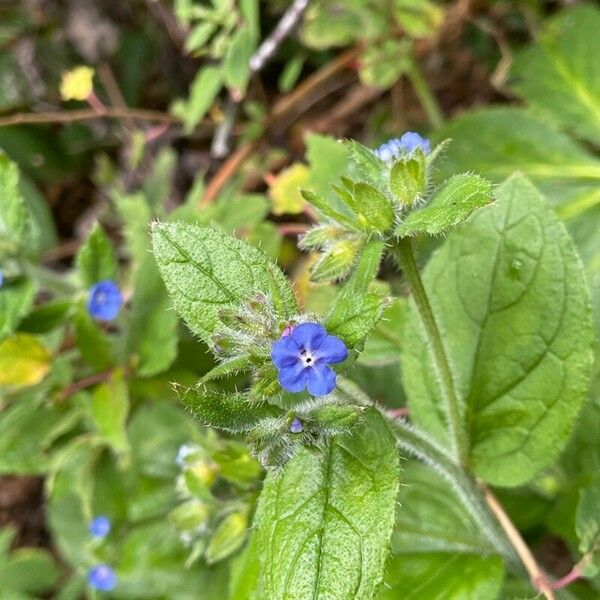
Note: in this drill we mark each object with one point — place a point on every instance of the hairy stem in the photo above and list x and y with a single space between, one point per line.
456 428
416 443
426 98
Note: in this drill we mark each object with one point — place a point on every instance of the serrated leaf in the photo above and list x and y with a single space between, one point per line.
23 361
438 550
206 270
324 522
96 260
16 298
356 310
152 336
559 74
458 198
509 296
226 411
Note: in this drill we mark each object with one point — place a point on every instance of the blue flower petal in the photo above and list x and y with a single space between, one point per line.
321 380
99 526
309 336
285 352
410 141
294 378
332 350
104 300
102 578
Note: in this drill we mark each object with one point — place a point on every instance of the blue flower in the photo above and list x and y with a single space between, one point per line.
99 527
102 578
296 426
408 143
183 452
104 301
302 358
1 278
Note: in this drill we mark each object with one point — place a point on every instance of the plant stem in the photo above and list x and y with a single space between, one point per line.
456 428
426 97
416 443
538 578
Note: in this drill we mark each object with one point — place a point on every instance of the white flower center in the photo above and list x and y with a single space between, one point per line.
307 358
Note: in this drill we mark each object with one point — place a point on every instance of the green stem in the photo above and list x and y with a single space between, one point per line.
465 487
426 97
455 422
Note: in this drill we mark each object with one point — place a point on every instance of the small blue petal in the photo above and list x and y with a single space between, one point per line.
102 578
1 278
308 336
321 380
410 141
285 352
296 426
99 527
183 452
104 301
293 379
332 350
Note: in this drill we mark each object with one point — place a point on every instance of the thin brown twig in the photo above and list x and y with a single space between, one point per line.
537 576
282 107
72 116
82 384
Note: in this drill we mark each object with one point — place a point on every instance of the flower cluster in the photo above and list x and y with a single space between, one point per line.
104 300
408 143
302 358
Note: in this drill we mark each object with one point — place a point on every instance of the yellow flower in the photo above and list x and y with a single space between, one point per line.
77 84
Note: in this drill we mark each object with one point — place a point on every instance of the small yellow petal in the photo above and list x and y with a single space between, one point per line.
77 84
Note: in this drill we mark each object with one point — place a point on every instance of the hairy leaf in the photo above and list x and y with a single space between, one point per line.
324 523
206 270
226 411
459 197
559 75
16 298
508 294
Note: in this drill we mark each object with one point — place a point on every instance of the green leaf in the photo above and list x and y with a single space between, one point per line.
383 345
27 571
587 522
96 260
109 409
46 317
509 296
206 270
459 197
152 337
559 75
236 70
374 210
369 166
92 342
23 361
18 230
16 298
135 213
356 310
498 141
230 366
222 410
203 91
408 179
320 203
438 551
324 523
229 536
336 261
